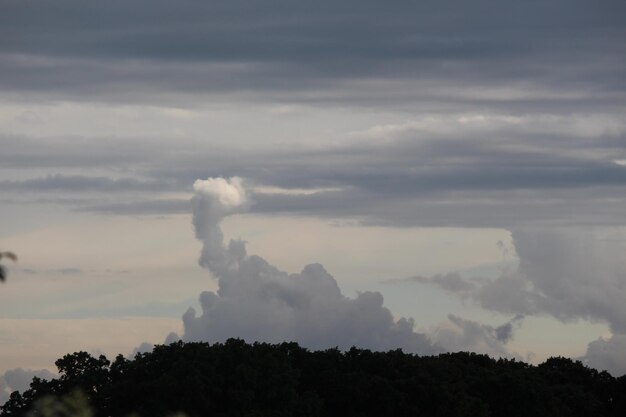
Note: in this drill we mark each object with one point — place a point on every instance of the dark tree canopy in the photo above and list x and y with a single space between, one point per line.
240 379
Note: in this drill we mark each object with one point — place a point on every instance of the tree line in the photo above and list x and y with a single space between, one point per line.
283 380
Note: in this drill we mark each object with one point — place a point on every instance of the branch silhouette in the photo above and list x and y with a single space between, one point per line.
3 271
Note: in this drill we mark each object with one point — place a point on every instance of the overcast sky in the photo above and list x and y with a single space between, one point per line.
459 164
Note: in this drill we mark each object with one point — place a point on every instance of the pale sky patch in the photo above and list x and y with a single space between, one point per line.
37 343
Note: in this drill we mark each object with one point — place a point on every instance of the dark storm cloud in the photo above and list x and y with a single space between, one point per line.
73 47
241 30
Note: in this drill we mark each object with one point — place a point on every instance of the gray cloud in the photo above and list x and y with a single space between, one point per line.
52 153
140 207
19 379
470 335
567 274
442 171
607 354
504 332
257 301
452 282
80 183
73 48
142 348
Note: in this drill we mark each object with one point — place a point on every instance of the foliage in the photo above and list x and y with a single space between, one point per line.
74 404
3 272
255 380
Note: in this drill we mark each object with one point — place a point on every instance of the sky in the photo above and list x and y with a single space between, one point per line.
435 175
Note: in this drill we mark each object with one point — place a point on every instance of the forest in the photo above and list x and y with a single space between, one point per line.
236 378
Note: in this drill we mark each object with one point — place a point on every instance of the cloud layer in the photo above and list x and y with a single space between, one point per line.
503 114
462 170
496 115
74 49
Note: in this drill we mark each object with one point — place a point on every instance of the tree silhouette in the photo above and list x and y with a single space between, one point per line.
237 379
3 272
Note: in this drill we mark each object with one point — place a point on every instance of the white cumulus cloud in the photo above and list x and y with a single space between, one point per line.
257 301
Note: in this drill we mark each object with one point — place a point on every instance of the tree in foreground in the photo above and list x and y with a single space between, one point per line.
283 380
